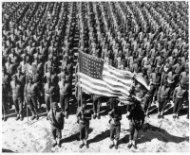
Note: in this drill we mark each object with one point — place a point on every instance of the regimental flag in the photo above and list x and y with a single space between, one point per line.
95 77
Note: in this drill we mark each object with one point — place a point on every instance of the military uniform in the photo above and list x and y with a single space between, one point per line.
48 90
64 96
84 117
17 97
136 118
56 118
115 125
163 98
5 92
178 97
31 92
96 106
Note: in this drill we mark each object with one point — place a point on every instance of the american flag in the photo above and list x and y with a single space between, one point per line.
98 78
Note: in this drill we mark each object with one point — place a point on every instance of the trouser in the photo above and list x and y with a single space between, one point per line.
96 106
32 102
64 101
147 102
40 98
177 105
48 102
18 102
56 133
4 103
84 127
162 104
115 132
111 104
155 89
129 107
133 132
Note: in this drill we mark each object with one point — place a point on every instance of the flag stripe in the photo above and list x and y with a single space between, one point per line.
90 90
118 73
97 84
98 78
110 86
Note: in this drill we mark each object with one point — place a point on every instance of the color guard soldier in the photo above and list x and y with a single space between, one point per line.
115 126
84 117
136 118
56 118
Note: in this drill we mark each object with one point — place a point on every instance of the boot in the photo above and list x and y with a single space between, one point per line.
18 116
81 145
59 142
33 117
37 117
130 144
86 144
54 143
94 116
159 115
116 144
21 117
66 115
162 114
111 145
134 144
98 116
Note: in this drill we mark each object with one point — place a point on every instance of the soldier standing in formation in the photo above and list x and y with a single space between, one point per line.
178 97
64 95
163 97
17 97
5 91
31 92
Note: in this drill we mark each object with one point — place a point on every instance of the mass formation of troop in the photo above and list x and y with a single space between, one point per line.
39 42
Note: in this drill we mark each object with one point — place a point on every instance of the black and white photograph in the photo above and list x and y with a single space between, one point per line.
95 76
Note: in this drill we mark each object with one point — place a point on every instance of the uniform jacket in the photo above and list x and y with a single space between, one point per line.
56 119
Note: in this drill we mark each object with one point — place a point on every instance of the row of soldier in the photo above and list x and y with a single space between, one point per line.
84 115
159 53
37 71
38 52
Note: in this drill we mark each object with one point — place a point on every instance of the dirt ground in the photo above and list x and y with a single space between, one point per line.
158 135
